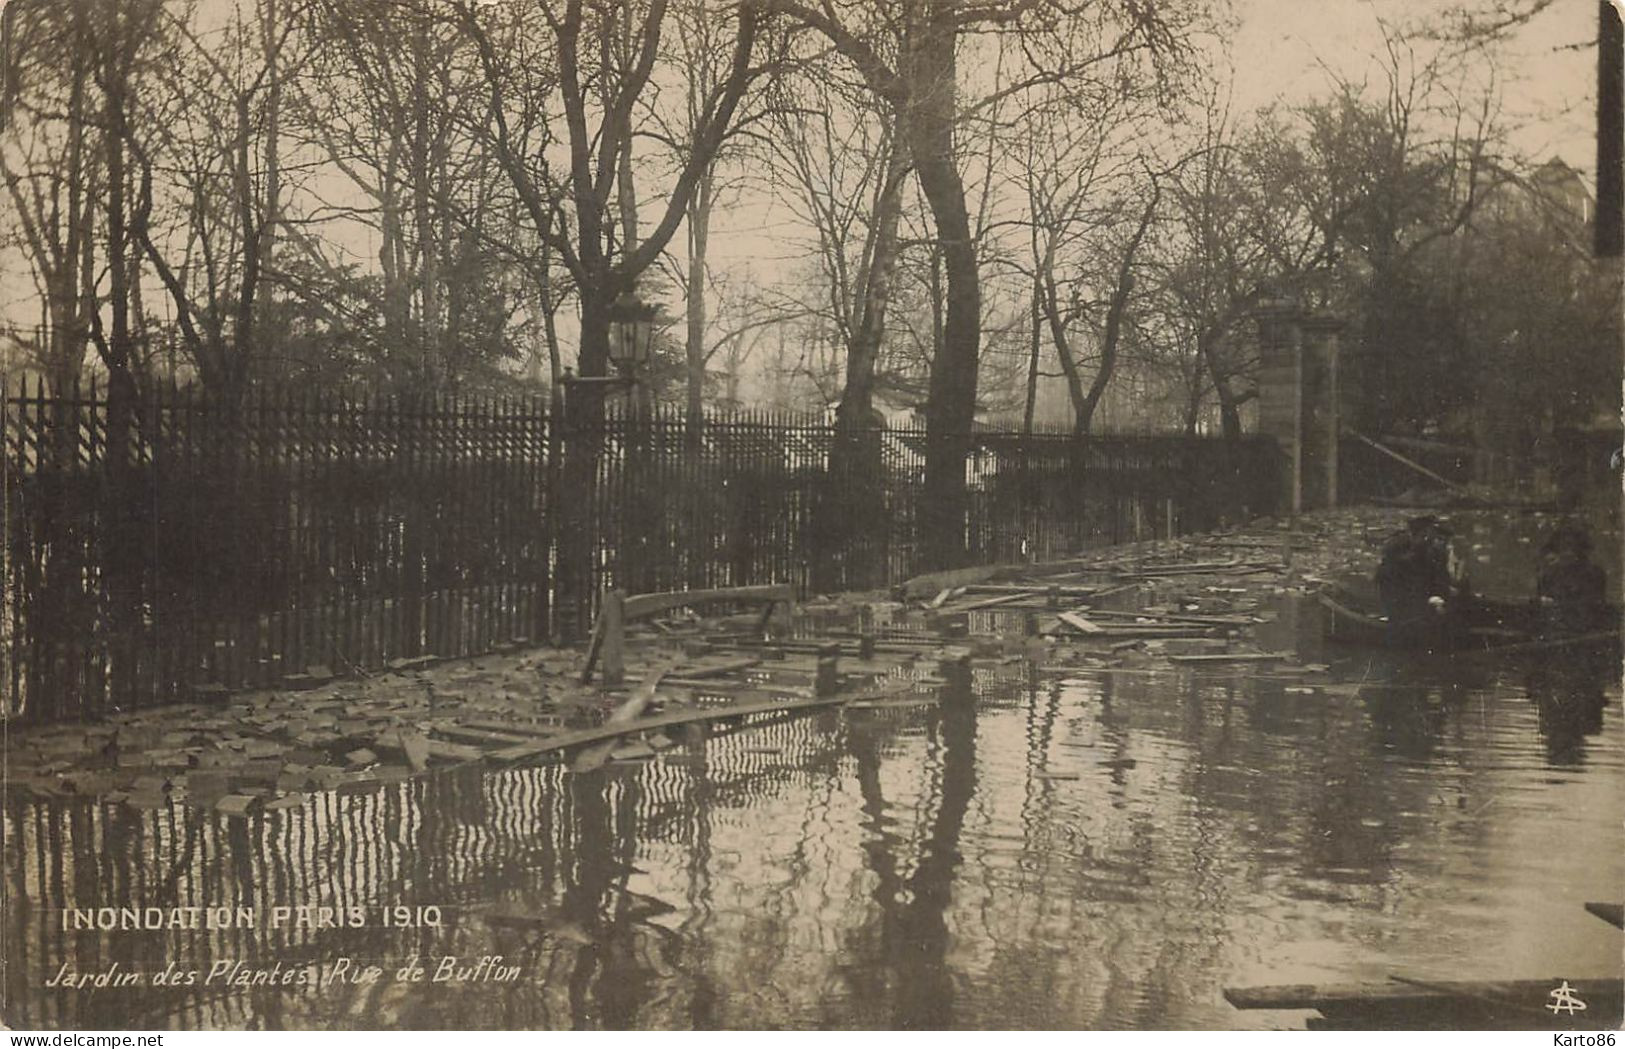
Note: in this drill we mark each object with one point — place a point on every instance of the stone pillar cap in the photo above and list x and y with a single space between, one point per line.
1273 306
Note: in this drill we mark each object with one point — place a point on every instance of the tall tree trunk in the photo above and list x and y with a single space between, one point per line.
1114 313
1036 342
950 407
857 395
550 307
852 525
122 554
116 347
626 195
1063 344
1229 404
260 233
699 231
428 275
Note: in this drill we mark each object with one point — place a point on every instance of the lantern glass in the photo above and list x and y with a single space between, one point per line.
631 328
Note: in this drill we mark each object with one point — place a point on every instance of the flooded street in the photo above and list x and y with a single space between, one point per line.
1029 848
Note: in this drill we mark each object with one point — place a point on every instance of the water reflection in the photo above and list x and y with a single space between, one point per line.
1570 701
1107 849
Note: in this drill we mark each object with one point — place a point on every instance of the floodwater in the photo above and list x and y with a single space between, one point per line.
1104 849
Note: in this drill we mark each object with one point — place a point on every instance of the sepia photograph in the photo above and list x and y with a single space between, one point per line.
903 515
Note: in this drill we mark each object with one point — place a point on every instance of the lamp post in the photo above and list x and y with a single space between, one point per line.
632 325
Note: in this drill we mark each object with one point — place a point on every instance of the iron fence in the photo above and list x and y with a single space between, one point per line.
188 547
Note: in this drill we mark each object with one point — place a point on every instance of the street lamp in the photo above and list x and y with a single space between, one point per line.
631 330
632 326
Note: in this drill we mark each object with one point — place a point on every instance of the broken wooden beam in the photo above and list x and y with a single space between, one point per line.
414 745
933 582
608 640
1032 590
1154 631
1231 657
641 605
1171 617
439 748
1148 630
582 737
594 757
699 671
993 602
1078 623
480 735
552 726
896 646
1413 464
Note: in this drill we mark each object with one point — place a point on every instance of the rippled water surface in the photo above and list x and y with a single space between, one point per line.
1026 849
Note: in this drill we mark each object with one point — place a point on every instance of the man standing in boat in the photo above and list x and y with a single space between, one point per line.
1423 584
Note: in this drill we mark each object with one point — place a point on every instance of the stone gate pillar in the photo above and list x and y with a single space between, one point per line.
1280 390
1322 409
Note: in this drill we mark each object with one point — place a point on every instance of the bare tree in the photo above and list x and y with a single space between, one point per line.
604 57
843 173
51 163
907 53
213 125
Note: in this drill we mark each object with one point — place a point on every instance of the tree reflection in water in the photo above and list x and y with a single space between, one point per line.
1107 849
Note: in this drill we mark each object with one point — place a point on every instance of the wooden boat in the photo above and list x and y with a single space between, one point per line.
1483 625
1411 1004
1475 627
1408 1003
1350 626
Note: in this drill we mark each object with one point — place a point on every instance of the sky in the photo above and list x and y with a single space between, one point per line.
1281 52
1550 85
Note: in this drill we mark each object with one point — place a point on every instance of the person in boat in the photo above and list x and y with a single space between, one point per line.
1570 588
1422 584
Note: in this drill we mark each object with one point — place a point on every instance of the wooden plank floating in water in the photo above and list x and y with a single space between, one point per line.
470 734
518 728
696 684
582 737
1172 617
1252 544
1230 657
990 603
933 582
1142 631
1033 590
709 670
896 646
437 748
1078 623
1190 568
625 714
